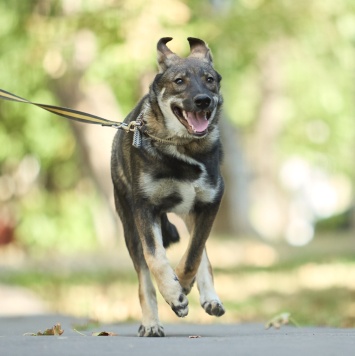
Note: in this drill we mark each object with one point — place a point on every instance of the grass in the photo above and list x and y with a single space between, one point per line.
316 285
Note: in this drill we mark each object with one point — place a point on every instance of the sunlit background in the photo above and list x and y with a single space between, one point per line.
285 235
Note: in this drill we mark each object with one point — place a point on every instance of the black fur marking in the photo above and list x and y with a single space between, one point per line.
150 241
167 203
143 219
211 159
213 308
209 309
155 331
176 308
178 170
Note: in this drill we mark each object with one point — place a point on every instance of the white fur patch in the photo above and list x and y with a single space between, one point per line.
171 121
147 298
201 189
204 281
165 277
187 192
198 190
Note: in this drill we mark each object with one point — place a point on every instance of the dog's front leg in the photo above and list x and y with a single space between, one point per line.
209 299
195 264
149 229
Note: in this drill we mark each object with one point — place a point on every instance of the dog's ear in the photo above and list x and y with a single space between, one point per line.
165 56
199 49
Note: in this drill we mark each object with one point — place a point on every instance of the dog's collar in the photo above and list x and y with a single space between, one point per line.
168 141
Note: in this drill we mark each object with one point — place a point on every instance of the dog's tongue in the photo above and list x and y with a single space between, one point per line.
197 120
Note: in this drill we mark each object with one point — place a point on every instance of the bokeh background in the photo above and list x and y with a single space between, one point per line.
284 239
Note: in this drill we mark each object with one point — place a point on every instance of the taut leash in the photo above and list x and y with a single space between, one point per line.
137 127
81 116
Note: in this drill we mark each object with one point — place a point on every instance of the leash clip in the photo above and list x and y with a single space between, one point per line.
132 126
127 127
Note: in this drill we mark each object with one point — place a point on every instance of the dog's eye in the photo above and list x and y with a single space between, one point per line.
178 81
210 79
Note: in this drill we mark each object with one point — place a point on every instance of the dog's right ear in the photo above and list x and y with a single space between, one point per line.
165 56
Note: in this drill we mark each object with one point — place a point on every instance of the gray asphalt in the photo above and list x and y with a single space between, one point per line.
223 340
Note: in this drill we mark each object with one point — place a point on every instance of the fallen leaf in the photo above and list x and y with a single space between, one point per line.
104 333
56 330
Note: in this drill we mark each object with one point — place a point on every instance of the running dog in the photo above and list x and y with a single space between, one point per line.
174 168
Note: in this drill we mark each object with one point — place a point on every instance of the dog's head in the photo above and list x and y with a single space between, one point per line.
187 90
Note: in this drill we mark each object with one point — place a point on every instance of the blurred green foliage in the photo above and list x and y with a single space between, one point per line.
315 40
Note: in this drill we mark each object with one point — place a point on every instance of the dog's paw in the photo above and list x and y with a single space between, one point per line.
181 306
156 330
213 307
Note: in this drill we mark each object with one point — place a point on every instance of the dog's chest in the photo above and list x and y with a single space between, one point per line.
191 193
178 193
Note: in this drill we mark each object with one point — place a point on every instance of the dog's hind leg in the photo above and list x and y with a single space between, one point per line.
208 297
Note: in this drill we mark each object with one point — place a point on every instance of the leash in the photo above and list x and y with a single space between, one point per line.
137 126
81 116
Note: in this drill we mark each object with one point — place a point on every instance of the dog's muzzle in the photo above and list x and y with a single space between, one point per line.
197 121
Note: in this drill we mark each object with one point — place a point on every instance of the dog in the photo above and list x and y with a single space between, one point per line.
175 168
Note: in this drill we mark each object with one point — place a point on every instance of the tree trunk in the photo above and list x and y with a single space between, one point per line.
94 143
270 206
233 215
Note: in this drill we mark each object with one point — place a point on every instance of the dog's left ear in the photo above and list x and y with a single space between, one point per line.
199 49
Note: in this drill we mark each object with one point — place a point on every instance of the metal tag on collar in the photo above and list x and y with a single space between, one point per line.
137 135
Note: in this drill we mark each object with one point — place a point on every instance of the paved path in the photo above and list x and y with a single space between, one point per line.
220 340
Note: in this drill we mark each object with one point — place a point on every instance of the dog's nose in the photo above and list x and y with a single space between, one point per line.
202 101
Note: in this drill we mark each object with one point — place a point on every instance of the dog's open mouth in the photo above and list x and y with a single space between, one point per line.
196 122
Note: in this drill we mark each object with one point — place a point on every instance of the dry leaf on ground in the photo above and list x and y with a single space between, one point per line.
104 333
56 330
